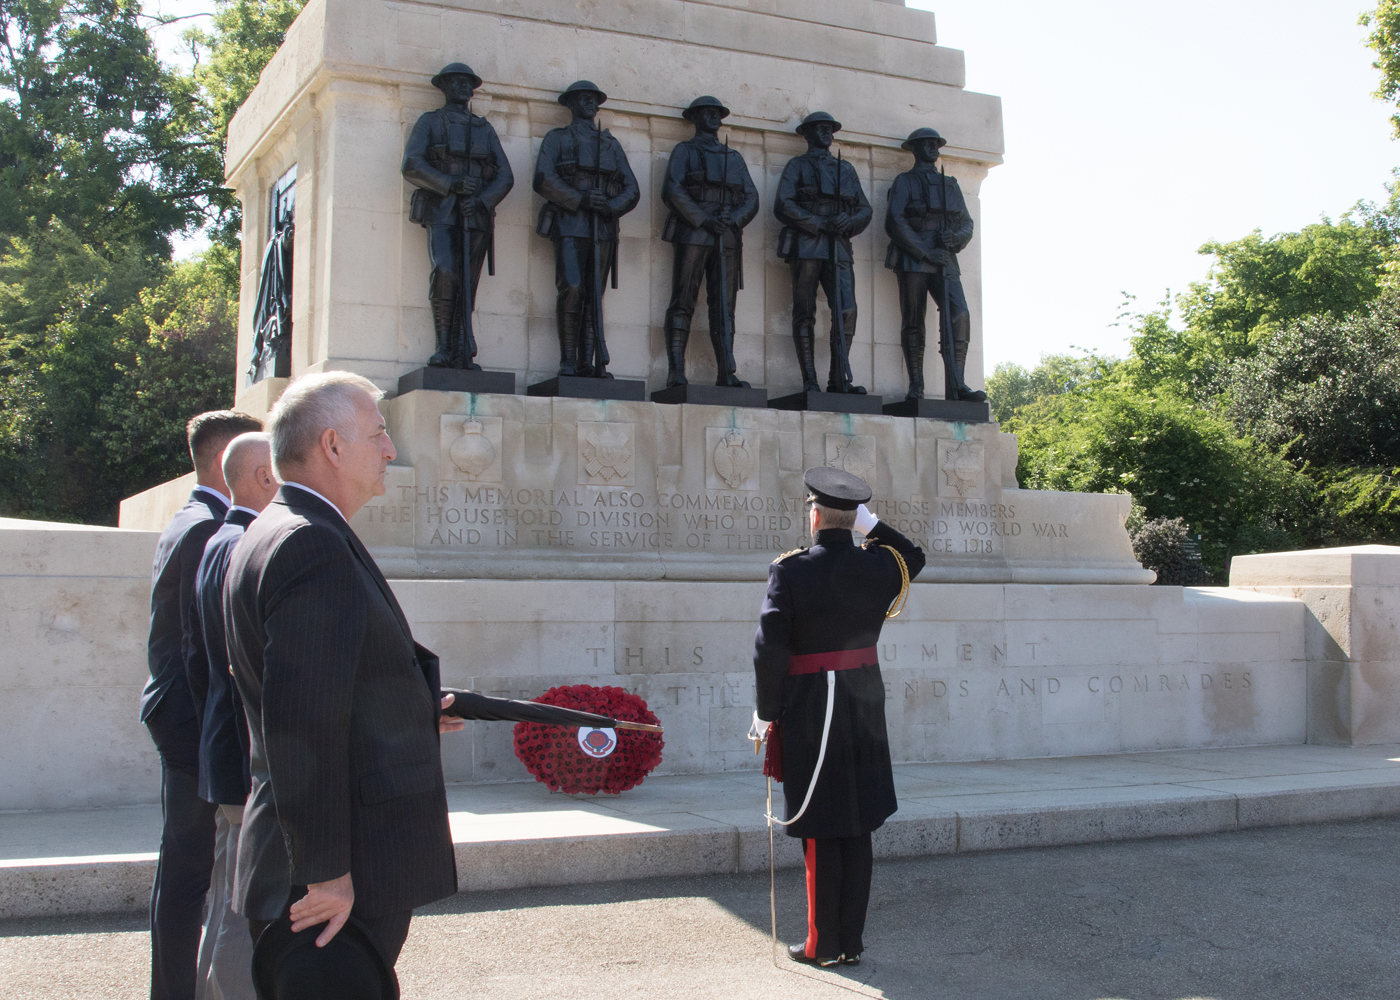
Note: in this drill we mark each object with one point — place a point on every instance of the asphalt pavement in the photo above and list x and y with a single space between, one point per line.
1274 914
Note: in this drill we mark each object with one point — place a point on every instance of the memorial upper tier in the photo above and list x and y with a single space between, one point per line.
338 100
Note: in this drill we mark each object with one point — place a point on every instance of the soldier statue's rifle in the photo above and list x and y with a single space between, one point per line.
468 306
945 320
727 330
838 319
599 360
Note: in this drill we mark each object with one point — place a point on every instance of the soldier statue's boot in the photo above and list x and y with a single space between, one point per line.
914 361
442 333
723 350
586 341
676 338
963 391
805 343
568 345
835 381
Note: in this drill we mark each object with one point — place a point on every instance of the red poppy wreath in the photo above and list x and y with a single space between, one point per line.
553 754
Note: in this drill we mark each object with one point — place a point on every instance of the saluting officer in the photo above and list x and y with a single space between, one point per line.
928 224
587 183
712 198
821 206
456 161
815 646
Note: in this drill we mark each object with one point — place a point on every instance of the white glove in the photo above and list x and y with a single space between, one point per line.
758 732
865 520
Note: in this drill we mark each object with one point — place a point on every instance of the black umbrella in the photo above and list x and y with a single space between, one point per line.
470 705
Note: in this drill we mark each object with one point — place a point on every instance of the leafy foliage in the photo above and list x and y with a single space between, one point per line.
1165 546
1384 39
1176 460
1364 505
1010 386
1325 390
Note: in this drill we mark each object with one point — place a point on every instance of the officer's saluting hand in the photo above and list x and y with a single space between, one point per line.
822 616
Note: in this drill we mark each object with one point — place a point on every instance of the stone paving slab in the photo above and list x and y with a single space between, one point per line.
520 835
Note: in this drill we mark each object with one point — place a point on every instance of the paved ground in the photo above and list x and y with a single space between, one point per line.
1295 913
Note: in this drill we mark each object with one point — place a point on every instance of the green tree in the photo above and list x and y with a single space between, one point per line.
1384 39
1325 390
243 39
1176 460
1010 386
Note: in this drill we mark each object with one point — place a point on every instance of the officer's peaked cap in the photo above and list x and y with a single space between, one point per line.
287 965
704 102
456 69
582 86
814 118
836 488
922 133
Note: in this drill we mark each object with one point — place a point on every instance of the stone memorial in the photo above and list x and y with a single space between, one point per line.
559 537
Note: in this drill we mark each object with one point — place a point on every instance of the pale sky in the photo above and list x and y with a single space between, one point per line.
1137 131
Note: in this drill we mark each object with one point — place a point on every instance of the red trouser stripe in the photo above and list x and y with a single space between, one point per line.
810 857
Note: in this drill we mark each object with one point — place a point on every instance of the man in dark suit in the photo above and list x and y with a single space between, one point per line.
167 709
225 954
815 660
347 817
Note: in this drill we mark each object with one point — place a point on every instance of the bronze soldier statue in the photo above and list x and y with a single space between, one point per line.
821 206
587 183
712 198
928 224
455 160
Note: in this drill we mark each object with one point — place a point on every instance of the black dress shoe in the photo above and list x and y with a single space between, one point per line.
850 959
798 953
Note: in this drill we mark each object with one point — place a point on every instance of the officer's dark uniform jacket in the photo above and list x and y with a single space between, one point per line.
828 598
806 195
926 214
704 175
437 153
574 160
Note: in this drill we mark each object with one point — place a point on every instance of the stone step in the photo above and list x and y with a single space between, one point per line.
518 835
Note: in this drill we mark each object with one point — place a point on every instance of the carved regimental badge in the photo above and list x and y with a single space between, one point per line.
962 469
733 458
854 453
605 454
469 449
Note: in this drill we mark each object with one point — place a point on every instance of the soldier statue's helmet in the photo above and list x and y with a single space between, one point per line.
704 102
582 86
922 133
835 488
456 69
815 118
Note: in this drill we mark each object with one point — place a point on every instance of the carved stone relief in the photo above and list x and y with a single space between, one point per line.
470 449
962 469
853 452
732 455
605 454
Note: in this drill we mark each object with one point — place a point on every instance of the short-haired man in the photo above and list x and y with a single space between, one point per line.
168 710
225 954
347 817
818 676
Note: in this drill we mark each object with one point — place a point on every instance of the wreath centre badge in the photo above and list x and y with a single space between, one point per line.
597 743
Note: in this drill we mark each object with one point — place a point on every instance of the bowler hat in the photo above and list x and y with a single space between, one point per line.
456 69
704 102
584 86
815 118
836 488
287 965
922 133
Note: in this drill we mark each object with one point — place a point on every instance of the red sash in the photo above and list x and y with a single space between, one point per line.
844 659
